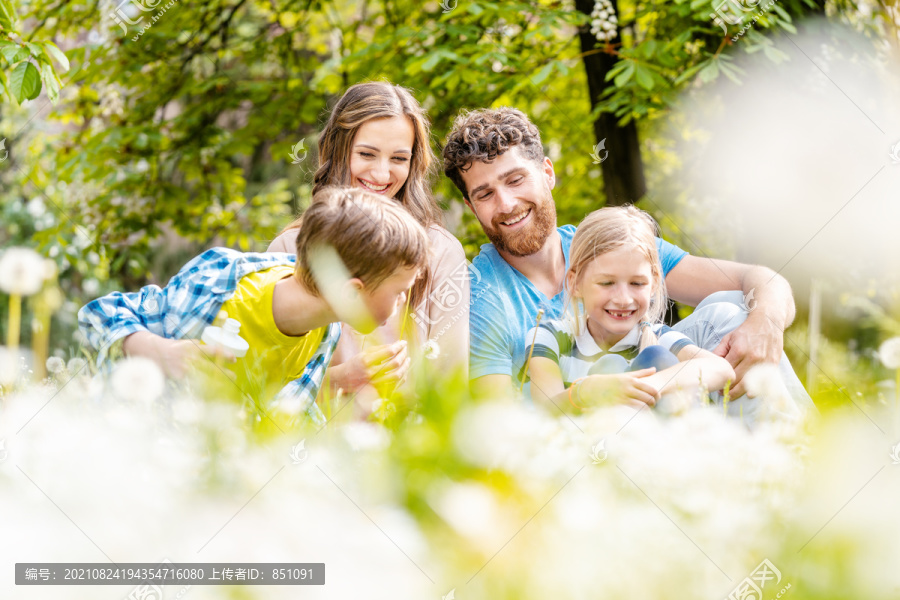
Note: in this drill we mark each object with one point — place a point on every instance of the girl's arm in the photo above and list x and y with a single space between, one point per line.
631 388
696 366
547 385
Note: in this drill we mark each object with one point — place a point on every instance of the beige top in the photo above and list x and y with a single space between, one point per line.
442 317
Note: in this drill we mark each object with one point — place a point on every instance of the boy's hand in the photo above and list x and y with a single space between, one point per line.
627 388
174 357
381 366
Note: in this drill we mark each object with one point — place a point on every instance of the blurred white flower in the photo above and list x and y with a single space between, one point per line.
366 436
55 365
889 353
431 350
137 379
75 365
21 271
604 21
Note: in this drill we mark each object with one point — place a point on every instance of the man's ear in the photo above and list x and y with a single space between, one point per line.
547 168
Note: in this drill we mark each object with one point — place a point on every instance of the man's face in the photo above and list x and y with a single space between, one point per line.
511 197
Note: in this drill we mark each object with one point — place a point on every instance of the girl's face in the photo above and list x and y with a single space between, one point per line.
381 155
616 288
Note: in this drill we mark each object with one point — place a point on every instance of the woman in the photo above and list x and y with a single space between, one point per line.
377 138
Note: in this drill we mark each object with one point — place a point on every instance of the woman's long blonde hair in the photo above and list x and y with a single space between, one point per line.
608 229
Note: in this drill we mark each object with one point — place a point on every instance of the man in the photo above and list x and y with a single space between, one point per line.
495 158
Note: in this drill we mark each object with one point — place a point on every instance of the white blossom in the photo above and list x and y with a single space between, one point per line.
55 365
138 379
889 353
75 365
604 21
21 271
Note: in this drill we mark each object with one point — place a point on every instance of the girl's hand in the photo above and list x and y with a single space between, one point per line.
625 388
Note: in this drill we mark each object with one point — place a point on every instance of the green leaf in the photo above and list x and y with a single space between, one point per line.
432 62
57 54
8 19
13 52
3 85
543 74
623 77
51 82
36 51
644 78
709 72
25 82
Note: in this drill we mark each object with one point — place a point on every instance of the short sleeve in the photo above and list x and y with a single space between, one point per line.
671 340
490 342
285 242
546 345
669 255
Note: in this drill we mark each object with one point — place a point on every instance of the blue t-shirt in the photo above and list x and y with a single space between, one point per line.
505 303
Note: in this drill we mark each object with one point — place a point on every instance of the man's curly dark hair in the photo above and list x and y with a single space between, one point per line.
483 135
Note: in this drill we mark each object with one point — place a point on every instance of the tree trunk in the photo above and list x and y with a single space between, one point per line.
623 171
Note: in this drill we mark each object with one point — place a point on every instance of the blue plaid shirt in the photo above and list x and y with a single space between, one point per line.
188 304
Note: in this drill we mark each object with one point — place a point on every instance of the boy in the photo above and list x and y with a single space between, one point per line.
357 255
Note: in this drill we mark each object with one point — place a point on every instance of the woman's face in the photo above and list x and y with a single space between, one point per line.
381 155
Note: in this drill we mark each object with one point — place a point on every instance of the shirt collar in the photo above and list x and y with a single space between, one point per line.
586 344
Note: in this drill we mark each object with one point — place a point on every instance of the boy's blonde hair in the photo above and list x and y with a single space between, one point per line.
613 228
372 236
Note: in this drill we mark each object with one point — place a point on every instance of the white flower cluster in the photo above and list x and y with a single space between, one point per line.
604 22
23 271
111 103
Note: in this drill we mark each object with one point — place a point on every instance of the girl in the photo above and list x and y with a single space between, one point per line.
377 138
614 348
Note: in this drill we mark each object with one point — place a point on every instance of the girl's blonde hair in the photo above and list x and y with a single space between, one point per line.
613 228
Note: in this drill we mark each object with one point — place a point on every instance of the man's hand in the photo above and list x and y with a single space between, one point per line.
757 340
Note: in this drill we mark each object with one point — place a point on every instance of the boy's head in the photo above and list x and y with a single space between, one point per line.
495 158
359 246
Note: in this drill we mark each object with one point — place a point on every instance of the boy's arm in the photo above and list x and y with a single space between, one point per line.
301 393
105 321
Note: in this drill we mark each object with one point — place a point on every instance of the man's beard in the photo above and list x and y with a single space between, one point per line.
531 238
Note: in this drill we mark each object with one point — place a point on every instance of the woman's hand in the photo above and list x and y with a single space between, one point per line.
384 367
625 388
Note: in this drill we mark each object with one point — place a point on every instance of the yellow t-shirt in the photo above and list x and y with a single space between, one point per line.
274 359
